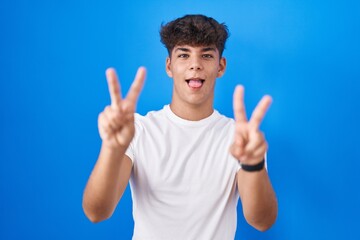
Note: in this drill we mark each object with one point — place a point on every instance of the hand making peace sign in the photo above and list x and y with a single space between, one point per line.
249 145
116 122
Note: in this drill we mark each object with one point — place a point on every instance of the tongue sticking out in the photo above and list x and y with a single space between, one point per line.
195 83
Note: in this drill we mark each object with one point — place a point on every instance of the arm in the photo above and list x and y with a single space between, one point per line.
258 199
112 170
249 147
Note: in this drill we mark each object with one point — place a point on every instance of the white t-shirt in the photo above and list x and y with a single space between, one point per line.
183 182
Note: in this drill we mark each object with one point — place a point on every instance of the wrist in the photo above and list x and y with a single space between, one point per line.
253 167
112 149
114 144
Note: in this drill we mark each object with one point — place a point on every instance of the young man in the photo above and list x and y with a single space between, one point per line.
187 164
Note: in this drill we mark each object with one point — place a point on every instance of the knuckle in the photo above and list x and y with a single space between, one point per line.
102 119
107 109
118 116
240 128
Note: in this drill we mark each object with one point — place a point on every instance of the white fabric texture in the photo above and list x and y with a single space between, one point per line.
183 182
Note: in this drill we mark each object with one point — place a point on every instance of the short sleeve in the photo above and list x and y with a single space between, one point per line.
130 151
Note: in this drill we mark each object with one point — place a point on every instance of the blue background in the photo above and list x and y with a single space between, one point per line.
53 55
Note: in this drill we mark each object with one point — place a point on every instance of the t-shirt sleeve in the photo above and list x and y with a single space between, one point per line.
131 150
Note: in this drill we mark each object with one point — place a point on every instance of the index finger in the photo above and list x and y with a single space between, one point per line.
136 86
259 112
114 87
238 104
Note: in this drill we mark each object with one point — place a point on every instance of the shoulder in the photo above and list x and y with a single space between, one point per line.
152 117
223 121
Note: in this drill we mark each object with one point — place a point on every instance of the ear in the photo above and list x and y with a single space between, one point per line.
168 67
222 67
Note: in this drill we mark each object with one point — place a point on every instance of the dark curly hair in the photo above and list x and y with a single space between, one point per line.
194 30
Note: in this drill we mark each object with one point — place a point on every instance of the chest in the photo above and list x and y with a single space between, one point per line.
180 161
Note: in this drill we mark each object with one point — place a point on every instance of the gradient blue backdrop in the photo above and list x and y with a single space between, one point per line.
53 55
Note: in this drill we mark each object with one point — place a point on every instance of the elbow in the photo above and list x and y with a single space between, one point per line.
262 227
95 215
263 222
95 218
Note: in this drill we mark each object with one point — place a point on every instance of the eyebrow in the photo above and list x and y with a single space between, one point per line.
206 49
182 49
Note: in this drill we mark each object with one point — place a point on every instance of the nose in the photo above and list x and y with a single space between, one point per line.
195 64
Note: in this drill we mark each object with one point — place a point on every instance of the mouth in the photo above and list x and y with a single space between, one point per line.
195 82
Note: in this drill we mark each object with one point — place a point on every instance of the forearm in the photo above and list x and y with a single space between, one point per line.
258 199
106 184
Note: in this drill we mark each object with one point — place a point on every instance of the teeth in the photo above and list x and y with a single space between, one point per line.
201 80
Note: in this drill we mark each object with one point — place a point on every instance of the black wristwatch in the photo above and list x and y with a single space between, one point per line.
253 168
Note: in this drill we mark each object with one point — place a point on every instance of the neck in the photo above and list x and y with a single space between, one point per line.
191 112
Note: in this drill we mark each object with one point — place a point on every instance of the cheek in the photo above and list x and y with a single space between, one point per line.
177 71
216 73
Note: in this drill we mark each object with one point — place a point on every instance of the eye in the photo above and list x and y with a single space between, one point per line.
184 55
207 56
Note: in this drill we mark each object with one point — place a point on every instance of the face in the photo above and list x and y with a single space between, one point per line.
194 71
